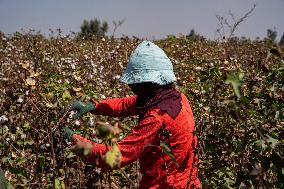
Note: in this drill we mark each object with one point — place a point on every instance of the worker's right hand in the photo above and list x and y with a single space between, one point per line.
81 108
68 133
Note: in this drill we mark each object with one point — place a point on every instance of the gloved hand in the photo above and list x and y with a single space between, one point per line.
81 108
82 149
68 133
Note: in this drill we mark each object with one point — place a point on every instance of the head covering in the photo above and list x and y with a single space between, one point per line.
148 63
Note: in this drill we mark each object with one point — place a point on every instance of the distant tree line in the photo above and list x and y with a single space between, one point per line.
94 27
97 28
271 35
194 36
282 40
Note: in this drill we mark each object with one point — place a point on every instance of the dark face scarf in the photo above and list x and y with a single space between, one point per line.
164 97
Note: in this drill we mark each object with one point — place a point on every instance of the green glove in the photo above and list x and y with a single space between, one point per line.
68 133
81 108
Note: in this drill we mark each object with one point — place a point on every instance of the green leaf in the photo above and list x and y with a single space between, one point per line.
59 183
87 150
66 96
244 100
113 157
168 150
70 155
235 79
5 159
41 162
29 142
26 125
21 160
50 96
3 130
25 142
271 141
4 183
104 130
18 172
19 131
9 185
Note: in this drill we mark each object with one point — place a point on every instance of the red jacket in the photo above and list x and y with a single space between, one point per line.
157 168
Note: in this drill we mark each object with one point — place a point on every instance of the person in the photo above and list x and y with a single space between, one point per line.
165 117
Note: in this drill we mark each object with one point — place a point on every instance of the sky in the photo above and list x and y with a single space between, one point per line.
151 19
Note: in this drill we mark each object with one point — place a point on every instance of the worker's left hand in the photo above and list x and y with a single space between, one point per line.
82 149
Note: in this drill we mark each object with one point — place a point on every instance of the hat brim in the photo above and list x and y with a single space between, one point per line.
161 77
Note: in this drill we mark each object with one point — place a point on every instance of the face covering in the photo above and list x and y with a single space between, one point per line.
164 97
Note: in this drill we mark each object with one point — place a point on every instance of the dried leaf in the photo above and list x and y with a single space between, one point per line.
113 157
30 81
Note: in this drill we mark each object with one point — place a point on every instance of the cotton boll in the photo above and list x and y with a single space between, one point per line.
198 68
72 113
103 96
20 99
91 122
3 119
77 122
23 136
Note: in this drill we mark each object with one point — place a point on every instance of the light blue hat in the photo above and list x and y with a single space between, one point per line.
148 63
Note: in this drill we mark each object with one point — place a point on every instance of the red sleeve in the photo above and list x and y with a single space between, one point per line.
133 144
116 107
